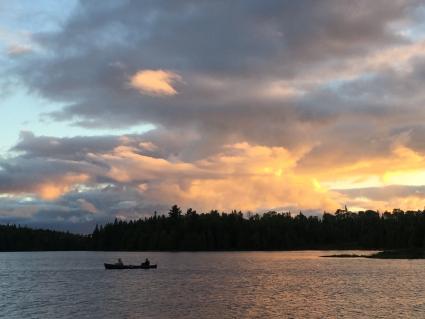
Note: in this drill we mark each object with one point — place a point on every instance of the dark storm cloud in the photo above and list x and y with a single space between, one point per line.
229 38
88 63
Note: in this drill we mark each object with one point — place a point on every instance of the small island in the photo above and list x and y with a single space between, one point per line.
386 254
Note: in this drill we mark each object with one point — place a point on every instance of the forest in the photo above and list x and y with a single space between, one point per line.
17 238
192 231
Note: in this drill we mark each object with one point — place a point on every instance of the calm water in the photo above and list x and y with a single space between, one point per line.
209 285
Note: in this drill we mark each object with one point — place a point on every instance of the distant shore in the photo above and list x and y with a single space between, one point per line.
386 254
215 231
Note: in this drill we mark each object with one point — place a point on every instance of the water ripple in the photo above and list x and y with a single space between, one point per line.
209 285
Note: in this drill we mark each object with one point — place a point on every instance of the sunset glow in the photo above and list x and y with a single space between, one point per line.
124 109
157 82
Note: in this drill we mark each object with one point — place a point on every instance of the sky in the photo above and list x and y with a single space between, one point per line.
115 109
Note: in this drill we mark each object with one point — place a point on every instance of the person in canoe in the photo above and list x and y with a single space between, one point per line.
119 263
146 263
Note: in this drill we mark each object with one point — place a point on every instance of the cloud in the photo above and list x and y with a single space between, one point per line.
257 50
248 170
122 176
46 178
17 49
50 190
86 205
154 82
387 198
284 104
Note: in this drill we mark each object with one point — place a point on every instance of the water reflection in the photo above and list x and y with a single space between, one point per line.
209 285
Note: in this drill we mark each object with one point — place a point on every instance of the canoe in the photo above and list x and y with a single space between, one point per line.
115 266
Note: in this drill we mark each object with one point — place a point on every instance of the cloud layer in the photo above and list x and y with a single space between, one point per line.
257 105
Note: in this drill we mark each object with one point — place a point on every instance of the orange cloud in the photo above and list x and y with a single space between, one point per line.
250 177
242 176
51 190
254 177
155 82
403 166
408 202
128 165
257 178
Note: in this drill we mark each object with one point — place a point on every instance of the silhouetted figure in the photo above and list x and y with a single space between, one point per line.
146 263
120 263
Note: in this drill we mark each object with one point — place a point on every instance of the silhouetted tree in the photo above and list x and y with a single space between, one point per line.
234 231
175 212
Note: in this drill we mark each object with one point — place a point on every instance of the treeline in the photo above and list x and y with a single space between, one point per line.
234 231
16 238
269 231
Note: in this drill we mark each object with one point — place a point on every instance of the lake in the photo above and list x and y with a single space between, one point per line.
209 285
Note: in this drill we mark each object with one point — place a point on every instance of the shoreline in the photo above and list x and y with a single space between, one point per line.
206 251
378 254
201 251
386 254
